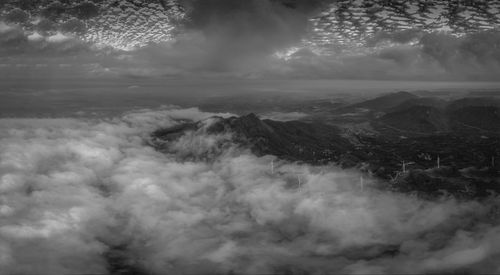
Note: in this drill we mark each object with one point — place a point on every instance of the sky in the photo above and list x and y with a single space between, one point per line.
321 39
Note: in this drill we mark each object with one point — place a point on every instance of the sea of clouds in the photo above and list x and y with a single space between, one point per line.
89 196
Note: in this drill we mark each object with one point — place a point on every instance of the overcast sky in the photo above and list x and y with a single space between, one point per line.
270 39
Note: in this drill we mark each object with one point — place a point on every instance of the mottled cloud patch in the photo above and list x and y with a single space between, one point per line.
16 41
406 56
249 51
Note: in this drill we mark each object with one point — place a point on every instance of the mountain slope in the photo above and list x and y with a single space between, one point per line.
417 119
292 140
381 156
380 104
426 116
421 101
482 118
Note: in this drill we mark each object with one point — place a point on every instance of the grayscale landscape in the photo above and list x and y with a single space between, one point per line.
249 137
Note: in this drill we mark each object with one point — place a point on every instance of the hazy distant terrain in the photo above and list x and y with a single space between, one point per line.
82 97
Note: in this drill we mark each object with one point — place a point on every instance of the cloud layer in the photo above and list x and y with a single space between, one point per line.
248 38
14 40
90 196
236 31
241 39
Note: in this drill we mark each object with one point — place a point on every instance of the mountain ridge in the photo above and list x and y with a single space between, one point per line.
381 156
291 140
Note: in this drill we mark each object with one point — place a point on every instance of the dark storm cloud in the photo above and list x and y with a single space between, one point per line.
473 56
478 52
237 30
229 36
241 36
276 20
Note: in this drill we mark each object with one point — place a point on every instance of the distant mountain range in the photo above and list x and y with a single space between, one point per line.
386 102
417 119
429 115
404 113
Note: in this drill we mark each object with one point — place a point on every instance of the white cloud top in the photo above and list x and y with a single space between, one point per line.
75 194
59 38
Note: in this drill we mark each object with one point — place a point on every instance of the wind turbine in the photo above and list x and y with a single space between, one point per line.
406 164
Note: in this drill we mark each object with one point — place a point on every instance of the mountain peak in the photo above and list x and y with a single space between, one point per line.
250 116
293 140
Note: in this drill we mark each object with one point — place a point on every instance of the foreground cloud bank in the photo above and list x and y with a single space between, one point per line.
92 197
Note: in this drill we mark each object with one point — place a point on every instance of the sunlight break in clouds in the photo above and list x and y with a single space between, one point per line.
90 196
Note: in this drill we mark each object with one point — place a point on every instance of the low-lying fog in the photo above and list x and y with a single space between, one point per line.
85 196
